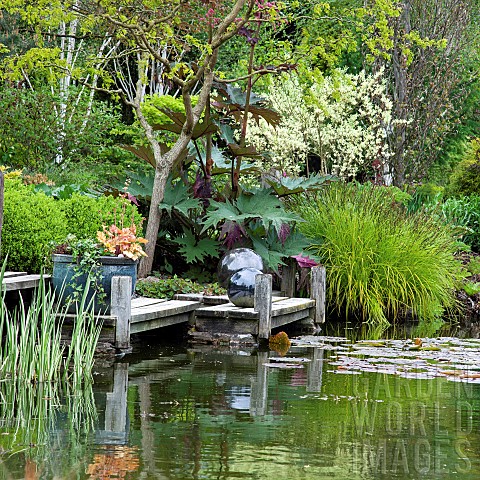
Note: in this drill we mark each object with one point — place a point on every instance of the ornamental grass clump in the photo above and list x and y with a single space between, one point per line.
32 350
381 263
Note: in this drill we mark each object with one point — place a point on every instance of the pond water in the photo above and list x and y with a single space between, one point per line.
324 410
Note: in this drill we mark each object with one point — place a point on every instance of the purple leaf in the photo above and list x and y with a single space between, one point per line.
232 234
202 189
305 262
249 35
132 199
284 233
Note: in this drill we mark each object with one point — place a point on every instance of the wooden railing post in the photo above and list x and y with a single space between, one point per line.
121 307
289 272
263 305
317 292
314 372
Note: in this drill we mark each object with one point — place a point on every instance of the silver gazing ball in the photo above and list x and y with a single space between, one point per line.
241 287
236 259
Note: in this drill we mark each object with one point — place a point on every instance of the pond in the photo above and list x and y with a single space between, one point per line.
327 409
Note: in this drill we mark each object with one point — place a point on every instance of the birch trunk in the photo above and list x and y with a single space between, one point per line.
67 54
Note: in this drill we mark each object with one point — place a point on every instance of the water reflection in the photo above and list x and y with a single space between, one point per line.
179 413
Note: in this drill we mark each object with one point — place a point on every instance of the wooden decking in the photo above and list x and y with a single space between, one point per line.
228 318
21 281
142 315
151 313
130 316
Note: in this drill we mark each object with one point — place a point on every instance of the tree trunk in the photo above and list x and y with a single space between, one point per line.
400 94
67 54
165 162
154 217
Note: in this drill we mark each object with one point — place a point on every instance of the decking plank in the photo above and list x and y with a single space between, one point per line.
291 305
280 306
218 299
140 302
223 310
154 323
205 299
162 310
13 274
287 318
23 282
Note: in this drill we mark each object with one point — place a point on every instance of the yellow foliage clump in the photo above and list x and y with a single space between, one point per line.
10 174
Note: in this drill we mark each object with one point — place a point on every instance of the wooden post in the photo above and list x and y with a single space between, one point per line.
263 305
317 292
289 272
2 188
121 307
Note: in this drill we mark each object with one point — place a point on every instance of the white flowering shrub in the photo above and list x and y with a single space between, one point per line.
343 119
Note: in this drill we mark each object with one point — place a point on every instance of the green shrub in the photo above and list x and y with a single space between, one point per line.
106 162
86 215
381 263
31 221
31 130
168 287
465 179
392 193
425 196
473 266
464 214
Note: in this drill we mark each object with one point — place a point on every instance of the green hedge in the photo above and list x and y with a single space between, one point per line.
86 215
33 221
30 222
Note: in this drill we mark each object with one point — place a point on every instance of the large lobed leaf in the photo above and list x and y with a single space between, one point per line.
266 207
290 185
179 198
201 128
194 250
273 251
262 206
